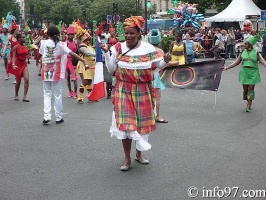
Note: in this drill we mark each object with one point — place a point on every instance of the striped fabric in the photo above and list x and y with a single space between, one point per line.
133 100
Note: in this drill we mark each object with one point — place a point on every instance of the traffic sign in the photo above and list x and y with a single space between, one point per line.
109 19
117 18
263 15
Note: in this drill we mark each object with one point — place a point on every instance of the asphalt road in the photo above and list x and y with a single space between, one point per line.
219 150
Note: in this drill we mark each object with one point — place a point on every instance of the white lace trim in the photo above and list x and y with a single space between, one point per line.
137 65
141 140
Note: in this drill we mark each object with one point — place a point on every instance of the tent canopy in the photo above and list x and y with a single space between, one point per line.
236 12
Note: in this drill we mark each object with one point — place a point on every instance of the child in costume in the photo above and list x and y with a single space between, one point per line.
249 74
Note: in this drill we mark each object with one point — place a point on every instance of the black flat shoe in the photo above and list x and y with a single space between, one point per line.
163 121
59 122
45 121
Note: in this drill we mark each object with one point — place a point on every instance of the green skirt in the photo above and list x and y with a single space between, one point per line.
249 76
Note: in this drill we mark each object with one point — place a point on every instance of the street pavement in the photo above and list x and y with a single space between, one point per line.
216 149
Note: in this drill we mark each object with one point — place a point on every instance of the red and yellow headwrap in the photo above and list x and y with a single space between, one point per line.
134 21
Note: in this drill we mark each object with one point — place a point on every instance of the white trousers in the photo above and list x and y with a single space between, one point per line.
47 95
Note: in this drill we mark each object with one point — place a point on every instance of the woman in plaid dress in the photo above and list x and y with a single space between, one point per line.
133 117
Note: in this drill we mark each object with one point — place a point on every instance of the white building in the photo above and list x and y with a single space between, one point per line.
22 10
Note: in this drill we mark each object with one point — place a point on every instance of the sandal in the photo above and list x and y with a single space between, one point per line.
16 99
26 100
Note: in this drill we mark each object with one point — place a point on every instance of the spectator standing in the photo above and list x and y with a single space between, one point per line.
190 48
230 44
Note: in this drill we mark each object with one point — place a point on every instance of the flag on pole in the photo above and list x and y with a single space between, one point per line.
98 91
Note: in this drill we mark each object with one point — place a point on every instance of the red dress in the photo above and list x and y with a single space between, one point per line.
9 65
22 53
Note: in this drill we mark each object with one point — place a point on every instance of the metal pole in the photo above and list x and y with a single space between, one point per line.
146 15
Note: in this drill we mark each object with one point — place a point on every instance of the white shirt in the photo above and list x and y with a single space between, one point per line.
52 55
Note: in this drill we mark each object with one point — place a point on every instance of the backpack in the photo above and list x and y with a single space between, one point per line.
74 60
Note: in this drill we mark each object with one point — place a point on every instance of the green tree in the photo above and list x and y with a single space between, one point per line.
9 6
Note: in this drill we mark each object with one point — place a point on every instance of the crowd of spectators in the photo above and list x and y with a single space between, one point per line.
230 43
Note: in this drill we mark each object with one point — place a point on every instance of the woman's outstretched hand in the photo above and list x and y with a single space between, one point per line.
225 68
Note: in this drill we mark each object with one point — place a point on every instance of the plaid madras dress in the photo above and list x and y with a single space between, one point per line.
133 100
133 94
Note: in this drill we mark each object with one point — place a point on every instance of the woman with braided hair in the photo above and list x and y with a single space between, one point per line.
52 52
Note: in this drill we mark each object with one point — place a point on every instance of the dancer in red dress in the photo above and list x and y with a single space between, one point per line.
19 66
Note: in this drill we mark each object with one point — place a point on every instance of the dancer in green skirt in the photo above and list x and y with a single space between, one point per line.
249 74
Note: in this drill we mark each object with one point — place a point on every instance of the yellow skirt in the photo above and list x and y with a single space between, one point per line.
180 59
87 74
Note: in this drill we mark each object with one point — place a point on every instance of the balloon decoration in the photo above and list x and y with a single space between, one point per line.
185 15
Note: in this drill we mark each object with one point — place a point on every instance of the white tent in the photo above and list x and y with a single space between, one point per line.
236 12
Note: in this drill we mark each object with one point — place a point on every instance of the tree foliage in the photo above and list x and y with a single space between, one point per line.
85 10
9 6
89 10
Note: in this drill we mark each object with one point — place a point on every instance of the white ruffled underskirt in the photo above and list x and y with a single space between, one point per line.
141 140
